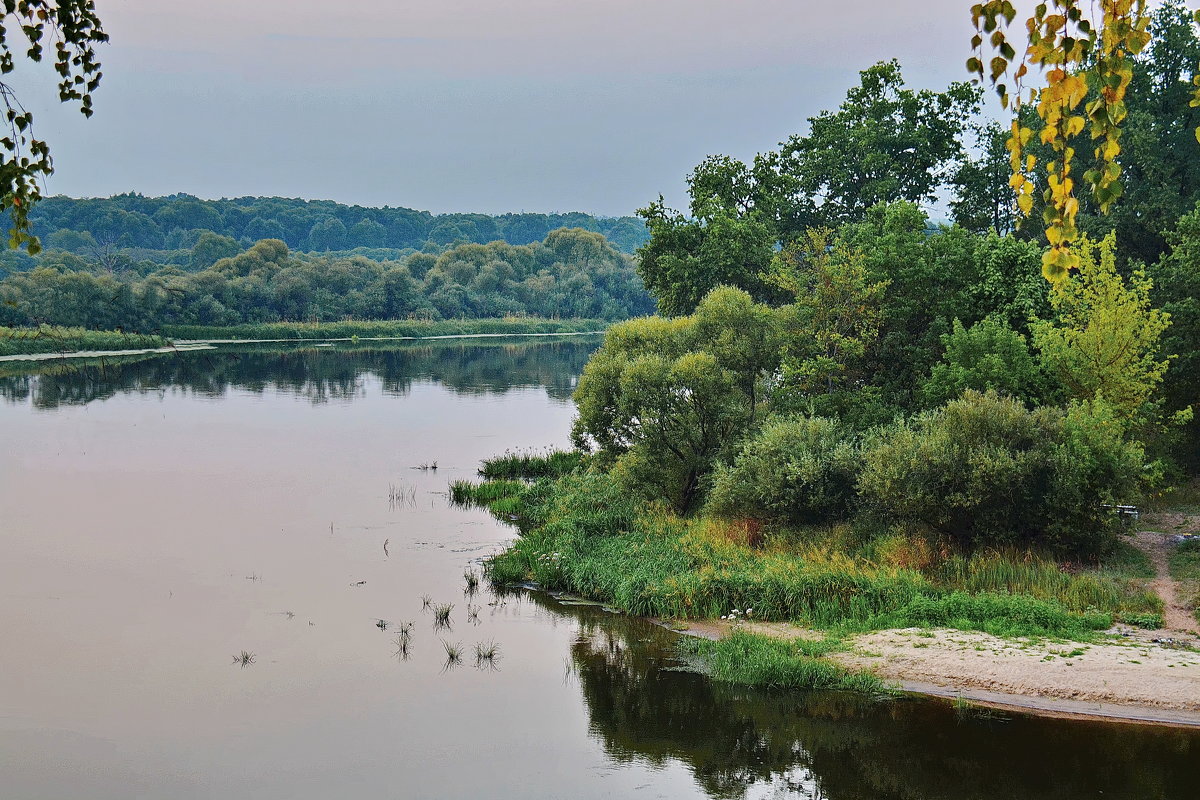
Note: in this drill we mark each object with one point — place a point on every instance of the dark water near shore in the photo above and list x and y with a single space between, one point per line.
161 515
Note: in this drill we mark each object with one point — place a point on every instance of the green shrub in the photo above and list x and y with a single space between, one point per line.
985 470
987 356
795 470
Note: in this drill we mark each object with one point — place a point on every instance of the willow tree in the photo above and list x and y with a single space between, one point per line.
1085 52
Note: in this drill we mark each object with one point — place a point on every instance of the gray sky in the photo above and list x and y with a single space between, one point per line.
468 105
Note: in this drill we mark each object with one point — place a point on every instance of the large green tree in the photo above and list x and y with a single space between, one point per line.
886 143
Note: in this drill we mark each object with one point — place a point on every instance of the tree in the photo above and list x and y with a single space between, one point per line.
836 315
1087 60
884 143
686 258
988 356
367 233
1104 340
73 29
328 234
211 248
982 198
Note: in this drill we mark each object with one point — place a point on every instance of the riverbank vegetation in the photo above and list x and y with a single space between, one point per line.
388 329
572 273
855 419
58 339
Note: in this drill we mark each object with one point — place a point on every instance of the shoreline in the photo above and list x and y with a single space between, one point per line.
983 670
194 345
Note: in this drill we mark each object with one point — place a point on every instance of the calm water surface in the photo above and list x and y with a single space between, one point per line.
159 516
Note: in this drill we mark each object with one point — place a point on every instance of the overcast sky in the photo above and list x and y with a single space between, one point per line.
468 105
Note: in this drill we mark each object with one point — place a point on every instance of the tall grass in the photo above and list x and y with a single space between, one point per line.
587 536
385 328
530 465
1017 573
1185 568
56 339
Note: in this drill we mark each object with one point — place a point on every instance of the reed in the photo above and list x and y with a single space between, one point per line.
454 652
486 653
441 615
529 465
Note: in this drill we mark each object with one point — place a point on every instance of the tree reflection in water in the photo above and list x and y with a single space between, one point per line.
321 374
751 743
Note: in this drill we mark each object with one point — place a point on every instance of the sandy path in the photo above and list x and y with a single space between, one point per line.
1176 616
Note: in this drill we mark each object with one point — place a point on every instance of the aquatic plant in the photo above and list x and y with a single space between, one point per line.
472 579
244 659
486 654
441 615
529 465
454 652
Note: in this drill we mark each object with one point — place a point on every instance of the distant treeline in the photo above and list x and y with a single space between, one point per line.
175 223
572 273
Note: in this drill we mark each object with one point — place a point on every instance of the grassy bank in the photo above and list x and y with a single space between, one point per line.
753 660
54 339
586 535
386 328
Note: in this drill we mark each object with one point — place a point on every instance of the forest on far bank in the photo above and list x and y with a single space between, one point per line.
571 273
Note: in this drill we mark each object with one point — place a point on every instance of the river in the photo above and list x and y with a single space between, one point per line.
159 515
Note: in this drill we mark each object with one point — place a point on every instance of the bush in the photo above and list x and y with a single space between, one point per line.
985 470
795 470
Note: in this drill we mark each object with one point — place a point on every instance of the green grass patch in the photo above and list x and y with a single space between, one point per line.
1185 568
753 660
386 328
531 466
1185 561
56 339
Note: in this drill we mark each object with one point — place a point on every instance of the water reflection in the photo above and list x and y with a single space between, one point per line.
742 743
320 374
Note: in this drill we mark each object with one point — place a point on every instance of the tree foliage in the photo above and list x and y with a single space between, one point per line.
573 273
886 143
1105 338
663 399
71 29
1086 54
